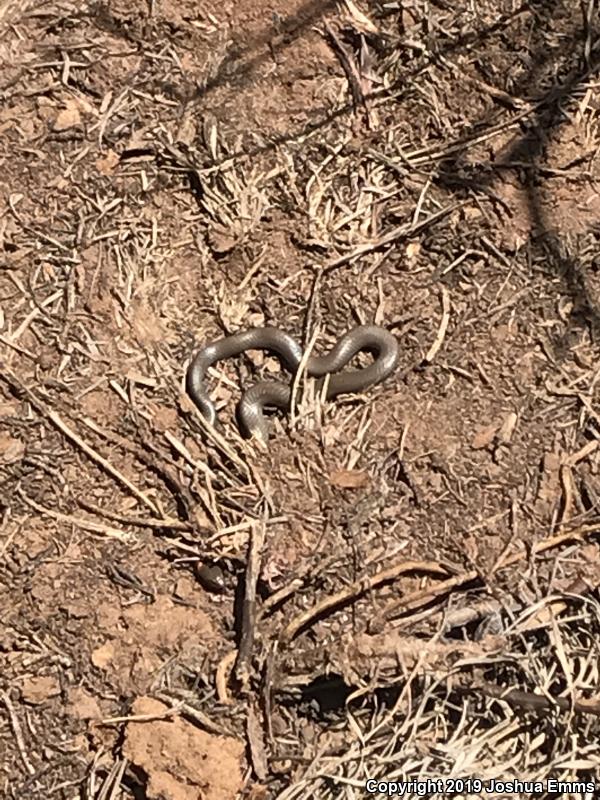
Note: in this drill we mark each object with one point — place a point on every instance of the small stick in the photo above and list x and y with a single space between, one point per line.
9 343
441 334
178 704
168 712
112 782
585 451
256 543
222 674
300 372
307 574
349 65
213 434
152 457
18 732
517 697
54 417
138 522
256 740
57 421
355 590
185 453
423 596
566 479
84 524
400 232
241 526
39 309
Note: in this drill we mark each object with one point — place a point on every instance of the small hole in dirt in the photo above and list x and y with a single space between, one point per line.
322 698
135 781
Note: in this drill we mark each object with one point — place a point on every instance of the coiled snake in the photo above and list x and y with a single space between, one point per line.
251 419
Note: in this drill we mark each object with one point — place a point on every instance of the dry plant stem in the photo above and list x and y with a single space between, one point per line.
106 465
355 590
179 705
417 599
184 452
394 235
17 732
112 783
84 524
220 442
404 693
168 712
537 702
18 348
306 575
153 458
256 741
349 65
138 522
8 541
459 617
222 674
441 335
300 372
244 658
17 387
566 479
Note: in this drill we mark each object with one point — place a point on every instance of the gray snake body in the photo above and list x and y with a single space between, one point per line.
370 338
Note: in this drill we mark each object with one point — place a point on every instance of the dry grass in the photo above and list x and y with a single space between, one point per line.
439 619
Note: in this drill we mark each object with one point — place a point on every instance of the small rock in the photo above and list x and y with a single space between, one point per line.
484 437
349 478
68 117
11 450
508 428
36 691
103 656
108 163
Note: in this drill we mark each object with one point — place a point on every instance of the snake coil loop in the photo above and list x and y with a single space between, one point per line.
250 410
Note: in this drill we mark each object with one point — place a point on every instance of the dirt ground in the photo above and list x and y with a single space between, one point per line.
409 575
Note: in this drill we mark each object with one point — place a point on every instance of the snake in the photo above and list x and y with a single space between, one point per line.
250 409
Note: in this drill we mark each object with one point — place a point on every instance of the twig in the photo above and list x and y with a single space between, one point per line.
422 597
17 387
18 732
154 459
307 574
536 702
179 705
139 522
54 417
256 543
355 590
441 334
400 232
256 742
349 65
300 373
168 712
112 782
84 524
213 434
222 674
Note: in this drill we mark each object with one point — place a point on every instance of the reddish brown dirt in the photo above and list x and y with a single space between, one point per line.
175 171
